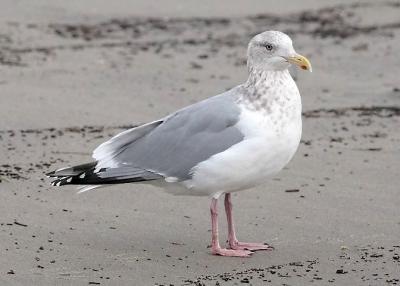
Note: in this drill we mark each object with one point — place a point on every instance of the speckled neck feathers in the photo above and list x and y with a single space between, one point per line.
265 89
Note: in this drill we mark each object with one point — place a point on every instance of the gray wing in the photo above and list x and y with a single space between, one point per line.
174 145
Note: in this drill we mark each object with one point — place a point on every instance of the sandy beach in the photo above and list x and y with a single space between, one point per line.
74 74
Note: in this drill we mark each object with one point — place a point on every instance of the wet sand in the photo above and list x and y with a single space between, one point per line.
73 74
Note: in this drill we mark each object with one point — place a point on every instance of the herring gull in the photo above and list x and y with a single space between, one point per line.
227 143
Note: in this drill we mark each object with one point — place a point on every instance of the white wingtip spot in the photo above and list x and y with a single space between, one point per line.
58 184
69 180
81 176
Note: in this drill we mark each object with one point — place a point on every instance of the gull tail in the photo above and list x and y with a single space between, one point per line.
90 176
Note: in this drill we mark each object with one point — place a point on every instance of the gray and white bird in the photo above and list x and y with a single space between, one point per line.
227 143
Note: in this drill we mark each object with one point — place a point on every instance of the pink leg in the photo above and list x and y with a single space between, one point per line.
233 242
215 247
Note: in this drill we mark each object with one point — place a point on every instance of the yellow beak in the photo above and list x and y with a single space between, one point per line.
301 61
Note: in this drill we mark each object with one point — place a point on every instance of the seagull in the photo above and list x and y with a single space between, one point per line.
227 143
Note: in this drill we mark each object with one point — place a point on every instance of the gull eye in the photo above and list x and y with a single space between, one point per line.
269 47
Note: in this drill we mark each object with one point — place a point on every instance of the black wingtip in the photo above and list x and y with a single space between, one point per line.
62 181
86 174
50 174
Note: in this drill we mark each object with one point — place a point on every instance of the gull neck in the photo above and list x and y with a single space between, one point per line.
259 77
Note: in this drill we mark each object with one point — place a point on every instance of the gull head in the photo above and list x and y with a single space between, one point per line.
273 51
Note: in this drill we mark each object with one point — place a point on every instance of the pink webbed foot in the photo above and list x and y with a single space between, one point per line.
232 252
252 246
